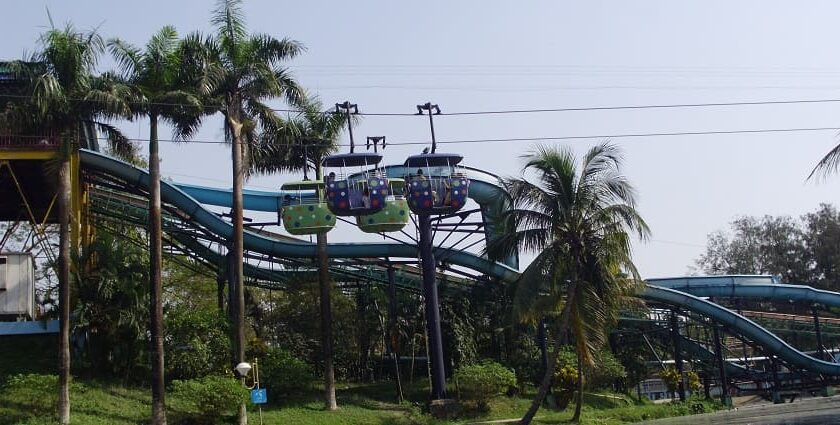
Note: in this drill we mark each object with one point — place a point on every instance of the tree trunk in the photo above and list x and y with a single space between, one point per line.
237 248
326 323
330 402
562 338
579 395
64 290
155 283
544 387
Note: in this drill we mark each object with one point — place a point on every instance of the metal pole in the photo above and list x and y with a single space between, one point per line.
675 335
433 109
392 326
430 294
349 109
820 350
724 390
777 384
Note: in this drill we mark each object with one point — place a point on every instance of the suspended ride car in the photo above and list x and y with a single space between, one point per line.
304 208
437 184
364 192
393 216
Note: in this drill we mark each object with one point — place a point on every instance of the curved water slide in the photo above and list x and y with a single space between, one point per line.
748 286
736 323
189 200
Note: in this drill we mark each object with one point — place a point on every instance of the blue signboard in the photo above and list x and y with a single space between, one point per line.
259 396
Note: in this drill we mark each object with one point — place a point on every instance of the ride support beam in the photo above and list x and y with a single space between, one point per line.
430 295
675 335
721 363
393 346
817 330
777 384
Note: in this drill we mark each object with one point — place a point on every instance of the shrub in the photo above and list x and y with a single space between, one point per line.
695 385
197 342
671 377
283 374
604 371
481 382
210 398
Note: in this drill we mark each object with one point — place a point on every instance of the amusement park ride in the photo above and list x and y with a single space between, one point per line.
356 186
430 189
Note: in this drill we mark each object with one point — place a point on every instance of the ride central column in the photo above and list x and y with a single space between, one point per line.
430 295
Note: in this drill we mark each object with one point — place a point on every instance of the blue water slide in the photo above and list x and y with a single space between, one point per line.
748 286
189 200
741 325
281 248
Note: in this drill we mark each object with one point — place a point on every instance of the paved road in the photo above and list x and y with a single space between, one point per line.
813 411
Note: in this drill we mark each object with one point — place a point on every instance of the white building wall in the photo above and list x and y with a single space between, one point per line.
17 285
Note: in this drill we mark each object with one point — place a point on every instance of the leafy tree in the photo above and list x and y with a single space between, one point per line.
66 97
769 245
154 76
197 342
239 73
822 243
578 222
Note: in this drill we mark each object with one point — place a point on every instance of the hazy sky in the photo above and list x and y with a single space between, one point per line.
388 56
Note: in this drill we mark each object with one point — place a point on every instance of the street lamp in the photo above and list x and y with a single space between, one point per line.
258 395
242 369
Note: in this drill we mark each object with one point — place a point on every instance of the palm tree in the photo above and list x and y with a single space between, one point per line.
578 223
66 97
827 165
154 75
239 72
308 138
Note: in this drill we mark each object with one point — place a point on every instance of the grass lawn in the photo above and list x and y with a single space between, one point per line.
33 402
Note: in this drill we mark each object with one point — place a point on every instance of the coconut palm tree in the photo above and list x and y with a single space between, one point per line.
239 72
827 165
578 222
303 144
155 76
65 97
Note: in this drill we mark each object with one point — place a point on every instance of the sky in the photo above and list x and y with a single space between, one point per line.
389 56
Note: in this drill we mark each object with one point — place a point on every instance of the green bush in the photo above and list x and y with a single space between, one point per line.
283 374
197 342
31 380
209 399
481 382
601 374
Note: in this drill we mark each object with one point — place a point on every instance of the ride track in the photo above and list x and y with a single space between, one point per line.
184 202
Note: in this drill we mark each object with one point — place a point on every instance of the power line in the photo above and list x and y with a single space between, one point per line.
523 111
543 138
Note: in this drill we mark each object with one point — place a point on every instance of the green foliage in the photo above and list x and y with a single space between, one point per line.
803 249
671 377
111 311
693 382
27 354
481 382
284 374
605 370
197 341
99 403
211 398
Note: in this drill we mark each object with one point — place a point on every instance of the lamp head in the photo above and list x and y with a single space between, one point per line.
242 369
